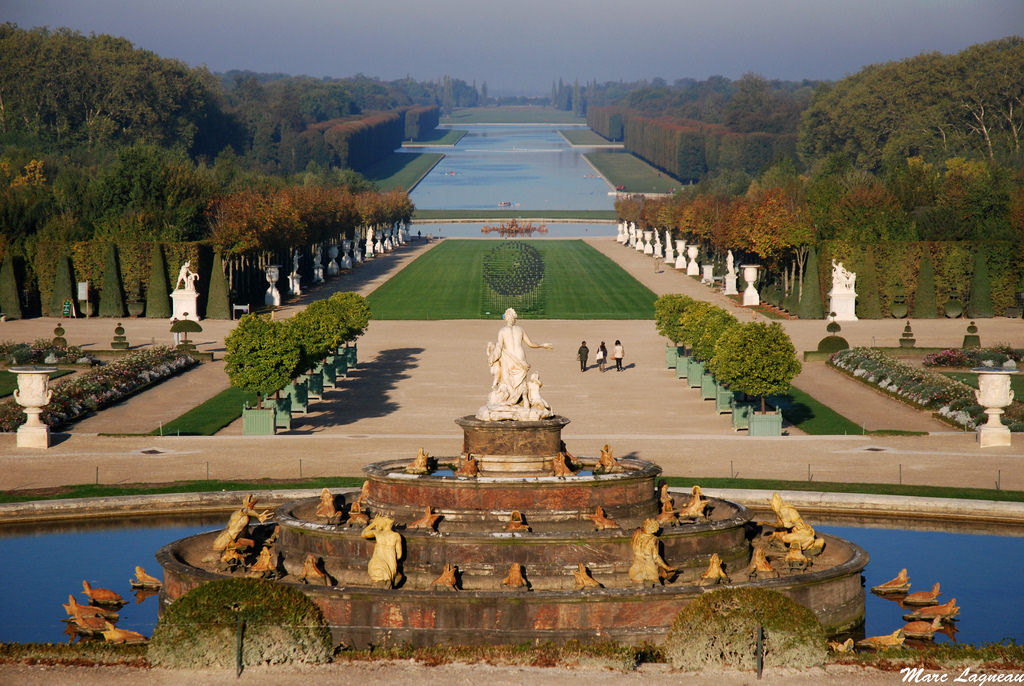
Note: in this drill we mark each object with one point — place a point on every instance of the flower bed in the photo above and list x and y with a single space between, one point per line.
101 387
951 399
42 351
973 357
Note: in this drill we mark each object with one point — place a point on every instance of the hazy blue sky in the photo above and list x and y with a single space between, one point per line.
523 45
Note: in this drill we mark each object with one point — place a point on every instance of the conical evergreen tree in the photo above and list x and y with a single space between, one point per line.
218 305
10 304
112 295
810 306
925 305
868 304
62 287
980 302
158 298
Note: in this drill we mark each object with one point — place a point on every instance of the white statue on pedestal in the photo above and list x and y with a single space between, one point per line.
515 393
186 278
842 279
843 296
730 275
318 267
184 295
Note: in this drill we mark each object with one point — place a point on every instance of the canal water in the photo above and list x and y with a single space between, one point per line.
527 167
42 565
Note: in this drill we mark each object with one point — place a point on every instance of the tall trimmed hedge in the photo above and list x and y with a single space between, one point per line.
111 294
925 306
218 303
158 297
10 302
980 303
63 287
810 305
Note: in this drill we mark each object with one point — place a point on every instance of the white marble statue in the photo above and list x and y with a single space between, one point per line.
318 267
730 266
186 278
843 280
515 393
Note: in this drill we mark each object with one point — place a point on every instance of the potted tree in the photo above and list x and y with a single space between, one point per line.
261 358
668 311
353 313
757 359
717 322
690 325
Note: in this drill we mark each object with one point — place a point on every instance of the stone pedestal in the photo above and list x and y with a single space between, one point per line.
994 394
708 275
33 395
273 296
513 447
294 284
730 285
183 305
844 304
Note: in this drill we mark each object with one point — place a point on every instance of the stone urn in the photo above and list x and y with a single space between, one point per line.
332 265
33 395
994 393
273 296
750 295
681 253
692 268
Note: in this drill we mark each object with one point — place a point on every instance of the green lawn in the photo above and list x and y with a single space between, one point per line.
624 169
9 380
210 417
511 115
971 379
402 170
585 137
437 137
582 215
447 283
812 417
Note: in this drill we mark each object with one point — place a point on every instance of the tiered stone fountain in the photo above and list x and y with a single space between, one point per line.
514 514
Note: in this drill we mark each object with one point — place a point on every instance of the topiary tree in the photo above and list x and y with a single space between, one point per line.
10 303
62 287
218 303
261 356
979 304
692 321
311 331
668 311
833 342
112 295
720 629
925 304
755 358
810 305
716 323
200 629
353 311
158 297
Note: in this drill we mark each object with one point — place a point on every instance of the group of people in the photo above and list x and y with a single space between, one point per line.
583 354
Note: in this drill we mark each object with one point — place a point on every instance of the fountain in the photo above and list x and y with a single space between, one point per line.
519 540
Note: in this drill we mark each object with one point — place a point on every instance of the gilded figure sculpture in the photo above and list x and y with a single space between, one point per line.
469 466
326 509
448 580
420 465
561 467
648 567
237 530
945 611
601 522
265 566
427 521
760 567
924 597
844 647
356 515
515 579
516 522
111 634
102 596
383 566
787 515
896 586
714 574
922 629
795 558
311 571
694 509
607 464
892 640
143 580
583 578
667 516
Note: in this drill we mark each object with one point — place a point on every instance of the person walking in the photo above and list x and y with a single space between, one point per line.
582 354
601 356
617 353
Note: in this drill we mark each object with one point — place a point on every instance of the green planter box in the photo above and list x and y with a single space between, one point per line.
340 367
683 367
315 387
708 387
297 391
671 352
283 412
766 424
326 369
741 412
723 399
257 422
350 355
695 373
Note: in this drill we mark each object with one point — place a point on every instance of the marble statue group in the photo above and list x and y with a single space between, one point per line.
515 392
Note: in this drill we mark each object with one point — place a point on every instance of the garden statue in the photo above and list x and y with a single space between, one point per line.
666 497
143 580
648 567
238 524
186 278
714 574
695 508
842 278
75 610
760 566
538 407
584 579
730 265
924 597
326 509
383 566
311 570
944 611
111 634
265 566
787 515
470 466
843 297
356 515
896 586
922 629
318 267
515 578
844 647
795 558
510 397
875 642
427 521
561 466
102 596
448 580
516 522
668 515
730 275
601 522
421 465
607 463
803 536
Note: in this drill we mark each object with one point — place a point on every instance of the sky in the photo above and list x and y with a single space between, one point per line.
521 46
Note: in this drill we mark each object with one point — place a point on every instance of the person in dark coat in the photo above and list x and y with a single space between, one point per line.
582 354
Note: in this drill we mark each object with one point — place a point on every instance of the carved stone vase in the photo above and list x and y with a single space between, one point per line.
33 394
994 393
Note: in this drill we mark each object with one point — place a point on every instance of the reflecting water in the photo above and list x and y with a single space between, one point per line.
472 229
530 167
41 565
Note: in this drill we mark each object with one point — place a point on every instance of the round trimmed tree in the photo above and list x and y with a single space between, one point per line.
757 359
261 356
353 314
714 325
692 320
668 313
